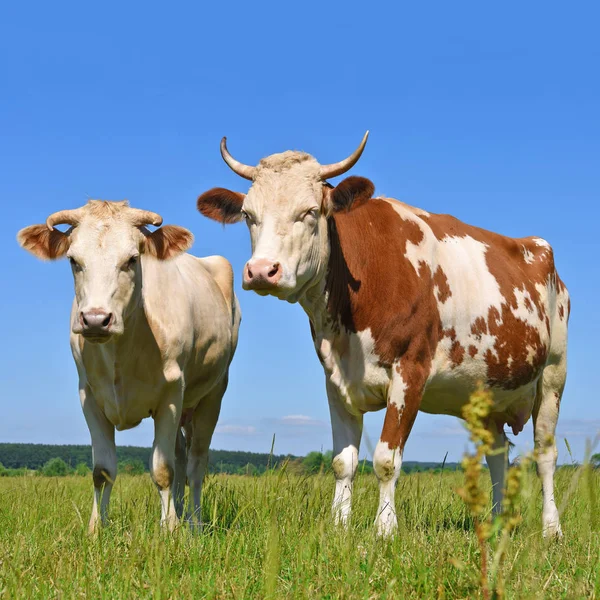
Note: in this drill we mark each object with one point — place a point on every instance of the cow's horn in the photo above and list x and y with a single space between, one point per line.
338 168
245 171
145 217
64 217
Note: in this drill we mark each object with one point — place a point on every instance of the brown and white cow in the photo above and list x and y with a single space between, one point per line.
153 331
408 311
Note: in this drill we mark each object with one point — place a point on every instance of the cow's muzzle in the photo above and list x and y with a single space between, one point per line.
96 324
262 274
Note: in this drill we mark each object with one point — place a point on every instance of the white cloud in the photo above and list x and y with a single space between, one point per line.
301 420
236 430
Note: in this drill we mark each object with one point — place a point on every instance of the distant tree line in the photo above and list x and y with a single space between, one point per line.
35 456
53 460
50 459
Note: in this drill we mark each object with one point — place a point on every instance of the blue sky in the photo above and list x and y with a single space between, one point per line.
489 113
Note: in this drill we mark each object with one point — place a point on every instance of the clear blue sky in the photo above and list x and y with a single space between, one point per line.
488 113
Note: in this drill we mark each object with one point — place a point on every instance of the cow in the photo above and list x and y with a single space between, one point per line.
408 310
153 332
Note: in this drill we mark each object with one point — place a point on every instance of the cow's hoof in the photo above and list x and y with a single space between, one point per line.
552 531
386 526
551 524
169 524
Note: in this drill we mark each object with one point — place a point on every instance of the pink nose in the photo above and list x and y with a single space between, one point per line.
261 274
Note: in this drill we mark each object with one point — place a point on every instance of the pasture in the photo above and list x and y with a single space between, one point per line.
271 537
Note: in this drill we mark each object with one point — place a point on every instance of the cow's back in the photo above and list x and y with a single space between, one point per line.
222 272
503 314
190 302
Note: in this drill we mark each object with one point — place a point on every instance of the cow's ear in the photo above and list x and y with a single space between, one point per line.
168 241
221 205
45 243
349 193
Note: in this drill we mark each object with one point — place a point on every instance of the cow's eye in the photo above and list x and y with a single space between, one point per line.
248 217
130 263
309 214
76 266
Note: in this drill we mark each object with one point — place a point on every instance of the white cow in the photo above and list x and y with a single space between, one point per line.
153 332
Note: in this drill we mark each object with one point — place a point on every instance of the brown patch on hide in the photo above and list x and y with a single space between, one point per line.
457 351
441 281
413 369
508 365
372 285
472 351
479 327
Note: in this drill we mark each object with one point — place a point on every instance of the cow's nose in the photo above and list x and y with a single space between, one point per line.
95 320
262 273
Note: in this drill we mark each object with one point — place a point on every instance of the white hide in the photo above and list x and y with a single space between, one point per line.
166 352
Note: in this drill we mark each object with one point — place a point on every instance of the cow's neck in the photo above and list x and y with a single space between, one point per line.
347 353
136 324
366 268
113 368
314 303
322 301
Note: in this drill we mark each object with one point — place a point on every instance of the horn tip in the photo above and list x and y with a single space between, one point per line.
223 146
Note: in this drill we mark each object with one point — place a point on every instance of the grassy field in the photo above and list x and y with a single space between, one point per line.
271 537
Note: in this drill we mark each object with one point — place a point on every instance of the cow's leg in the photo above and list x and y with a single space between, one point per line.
497 462
545 416
178 488
162 460
104 456
347 429
403 405
204 421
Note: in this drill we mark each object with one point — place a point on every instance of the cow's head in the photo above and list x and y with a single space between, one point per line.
104 244
286 209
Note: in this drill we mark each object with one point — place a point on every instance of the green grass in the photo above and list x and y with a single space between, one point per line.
271 537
